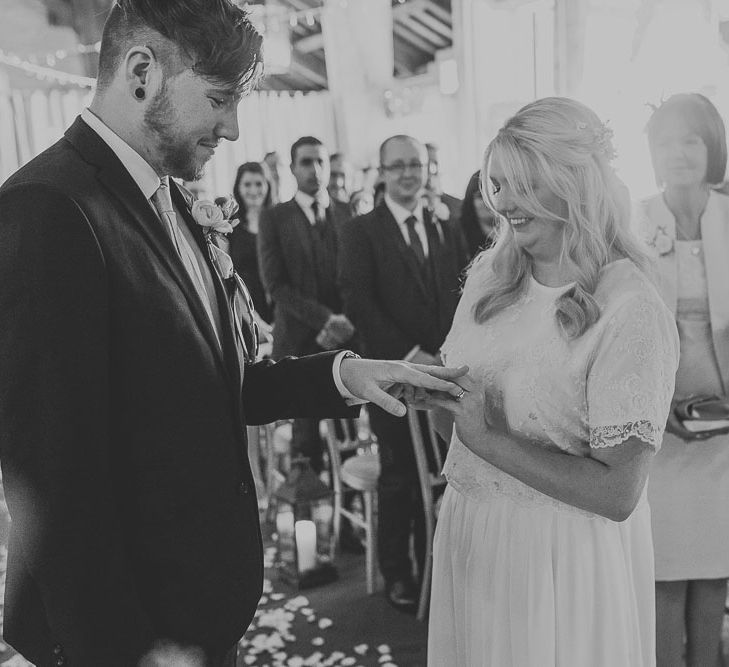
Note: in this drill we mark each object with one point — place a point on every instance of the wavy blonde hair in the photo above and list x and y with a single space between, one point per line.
564 144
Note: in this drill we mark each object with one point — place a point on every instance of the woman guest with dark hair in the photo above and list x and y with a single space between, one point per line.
252 191
687 227
478 223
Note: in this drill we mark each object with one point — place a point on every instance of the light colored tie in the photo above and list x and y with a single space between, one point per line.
162 201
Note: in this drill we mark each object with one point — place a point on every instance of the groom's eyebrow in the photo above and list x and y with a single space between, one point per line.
230 94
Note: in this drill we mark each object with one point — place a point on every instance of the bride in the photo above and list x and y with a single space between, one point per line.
543 554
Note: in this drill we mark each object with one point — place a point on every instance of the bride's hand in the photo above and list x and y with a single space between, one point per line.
476 412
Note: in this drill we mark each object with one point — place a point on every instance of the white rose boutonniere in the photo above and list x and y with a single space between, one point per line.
441 211
662 242
214 218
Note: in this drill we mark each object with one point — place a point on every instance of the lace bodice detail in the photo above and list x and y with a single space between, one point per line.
612 383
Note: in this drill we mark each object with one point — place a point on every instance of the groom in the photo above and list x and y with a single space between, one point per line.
123 401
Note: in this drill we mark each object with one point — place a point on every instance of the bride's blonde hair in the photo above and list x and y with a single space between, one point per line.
564 144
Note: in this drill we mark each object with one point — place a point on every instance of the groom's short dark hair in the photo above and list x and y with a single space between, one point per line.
216 36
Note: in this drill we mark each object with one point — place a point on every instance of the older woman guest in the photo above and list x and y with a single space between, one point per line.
253 194
543 551
687 225
478 222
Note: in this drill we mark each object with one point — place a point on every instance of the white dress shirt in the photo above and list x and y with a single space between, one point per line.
306 201
401 214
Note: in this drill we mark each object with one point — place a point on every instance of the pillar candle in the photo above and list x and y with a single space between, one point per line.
306 545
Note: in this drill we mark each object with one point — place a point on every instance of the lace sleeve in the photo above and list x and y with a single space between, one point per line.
631 380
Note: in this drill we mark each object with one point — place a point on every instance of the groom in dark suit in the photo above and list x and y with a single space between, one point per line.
126 382
399 274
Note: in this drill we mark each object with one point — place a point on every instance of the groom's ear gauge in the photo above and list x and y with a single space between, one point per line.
139 93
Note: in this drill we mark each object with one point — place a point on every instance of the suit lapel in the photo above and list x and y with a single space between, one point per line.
301 225
116 179
183 205
392 235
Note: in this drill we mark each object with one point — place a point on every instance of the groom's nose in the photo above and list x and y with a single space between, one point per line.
228 126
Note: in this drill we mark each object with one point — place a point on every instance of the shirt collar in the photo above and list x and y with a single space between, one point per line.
139 169
401 214
306 200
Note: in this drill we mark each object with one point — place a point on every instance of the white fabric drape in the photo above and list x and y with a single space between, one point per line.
269 121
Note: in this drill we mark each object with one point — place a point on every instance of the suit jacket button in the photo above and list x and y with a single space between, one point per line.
60 661
57 649
244 488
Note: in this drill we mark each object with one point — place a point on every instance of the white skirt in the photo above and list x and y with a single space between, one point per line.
528 585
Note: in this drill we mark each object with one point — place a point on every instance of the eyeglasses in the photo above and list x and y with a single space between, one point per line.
399 168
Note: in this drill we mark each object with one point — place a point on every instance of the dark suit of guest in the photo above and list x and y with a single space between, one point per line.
298 260
396 303
243 249
123 421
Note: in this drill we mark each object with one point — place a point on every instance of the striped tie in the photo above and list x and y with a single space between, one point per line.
163 203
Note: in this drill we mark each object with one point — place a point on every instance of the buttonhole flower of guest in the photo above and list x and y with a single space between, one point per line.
441 211
214 218
662 242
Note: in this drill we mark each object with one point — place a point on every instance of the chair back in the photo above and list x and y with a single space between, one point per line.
429 462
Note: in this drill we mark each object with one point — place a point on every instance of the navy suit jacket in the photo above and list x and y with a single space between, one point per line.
123 423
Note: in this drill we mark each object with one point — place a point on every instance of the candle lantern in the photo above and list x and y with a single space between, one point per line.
304 528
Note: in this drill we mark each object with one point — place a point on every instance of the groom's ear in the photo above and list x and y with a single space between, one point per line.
142 72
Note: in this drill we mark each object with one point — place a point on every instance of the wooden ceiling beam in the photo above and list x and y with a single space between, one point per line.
317 78
310 43
436 25
402 31
426 33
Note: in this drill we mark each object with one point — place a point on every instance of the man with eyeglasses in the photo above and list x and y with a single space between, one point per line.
399 277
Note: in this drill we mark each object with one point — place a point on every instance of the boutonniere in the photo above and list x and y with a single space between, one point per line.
441 211
662 241
214 218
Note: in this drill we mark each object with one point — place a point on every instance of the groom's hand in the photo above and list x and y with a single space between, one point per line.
383 382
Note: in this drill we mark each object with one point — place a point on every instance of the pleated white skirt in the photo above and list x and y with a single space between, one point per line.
528 585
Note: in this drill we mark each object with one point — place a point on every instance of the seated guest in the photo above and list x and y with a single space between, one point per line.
252 191
478 224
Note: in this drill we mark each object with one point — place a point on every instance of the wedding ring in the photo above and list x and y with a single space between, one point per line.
461 394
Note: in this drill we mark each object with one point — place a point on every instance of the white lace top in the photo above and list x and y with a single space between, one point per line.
613 382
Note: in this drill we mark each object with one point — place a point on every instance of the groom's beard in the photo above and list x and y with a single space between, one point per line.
176 152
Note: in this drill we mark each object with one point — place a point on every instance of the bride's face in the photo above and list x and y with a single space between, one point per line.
536 234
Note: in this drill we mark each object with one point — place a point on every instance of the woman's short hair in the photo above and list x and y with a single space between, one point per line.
253 168
701 117
216 36
569 149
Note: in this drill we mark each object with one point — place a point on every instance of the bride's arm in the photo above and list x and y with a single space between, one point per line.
609 482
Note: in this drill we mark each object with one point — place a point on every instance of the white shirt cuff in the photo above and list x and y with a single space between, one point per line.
349 398
412 353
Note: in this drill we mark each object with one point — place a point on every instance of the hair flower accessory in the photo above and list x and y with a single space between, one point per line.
601 138
214 218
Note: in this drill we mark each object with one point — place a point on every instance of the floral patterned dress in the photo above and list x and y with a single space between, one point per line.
521 579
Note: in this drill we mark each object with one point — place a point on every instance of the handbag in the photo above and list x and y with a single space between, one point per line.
704 415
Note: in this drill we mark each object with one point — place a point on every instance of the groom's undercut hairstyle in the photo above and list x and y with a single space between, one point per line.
214 38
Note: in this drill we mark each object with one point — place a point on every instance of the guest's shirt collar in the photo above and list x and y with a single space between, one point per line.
139 169
305 201
401 214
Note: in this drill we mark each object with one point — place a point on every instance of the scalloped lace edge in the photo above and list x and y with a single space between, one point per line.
611 436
